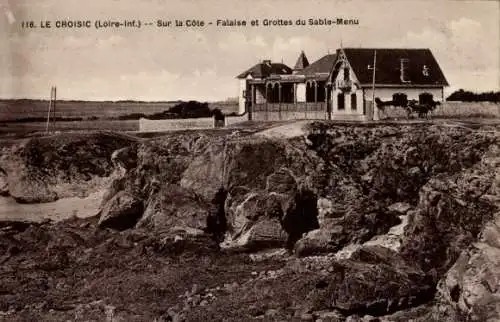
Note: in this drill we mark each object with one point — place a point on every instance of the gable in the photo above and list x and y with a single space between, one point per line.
420 66
265 69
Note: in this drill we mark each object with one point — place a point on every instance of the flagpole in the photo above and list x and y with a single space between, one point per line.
375 109
48 113
54 108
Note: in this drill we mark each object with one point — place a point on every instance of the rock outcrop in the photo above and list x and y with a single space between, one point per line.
64 165
377 281
471 286
333 198
174 208
121 212
4 185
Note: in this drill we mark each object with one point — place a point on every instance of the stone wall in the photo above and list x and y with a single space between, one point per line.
146 125
452 109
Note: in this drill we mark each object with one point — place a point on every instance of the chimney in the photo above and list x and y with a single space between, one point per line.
403 68
267 62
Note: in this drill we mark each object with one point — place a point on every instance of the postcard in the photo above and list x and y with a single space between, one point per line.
274 160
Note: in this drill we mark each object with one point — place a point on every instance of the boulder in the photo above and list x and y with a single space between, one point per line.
375 281
44 169
251 215
4 186
472 284
358 225
295 213
205 174
265 233
173 207
121 212
31 189
320 241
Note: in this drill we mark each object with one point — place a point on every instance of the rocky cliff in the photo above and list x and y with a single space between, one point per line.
389 221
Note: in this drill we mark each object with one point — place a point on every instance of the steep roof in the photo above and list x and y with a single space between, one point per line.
322 65
388 63
266 68
302 62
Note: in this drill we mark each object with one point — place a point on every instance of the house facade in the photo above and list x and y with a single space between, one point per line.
340 86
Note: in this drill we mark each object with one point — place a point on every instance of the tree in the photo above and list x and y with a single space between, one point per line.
468 96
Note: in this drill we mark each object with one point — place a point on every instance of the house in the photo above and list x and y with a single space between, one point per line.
341 85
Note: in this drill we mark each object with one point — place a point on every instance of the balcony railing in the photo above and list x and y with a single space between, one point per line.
290 107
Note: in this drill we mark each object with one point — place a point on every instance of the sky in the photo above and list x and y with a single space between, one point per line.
169 63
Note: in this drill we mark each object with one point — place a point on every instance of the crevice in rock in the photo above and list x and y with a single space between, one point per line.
301 218
126 220
216 220
455 293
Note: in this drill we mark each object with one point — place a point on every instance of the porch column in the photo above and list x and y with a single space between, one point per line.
315 92
305 106
295 93
279 101
326 101
266 102
253 95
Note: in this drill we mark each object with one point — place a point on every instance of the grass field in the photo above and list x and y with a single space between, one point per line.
21 109
25 129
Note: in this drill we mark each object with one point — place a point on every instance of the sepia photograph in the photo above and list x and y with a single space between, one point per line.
267 160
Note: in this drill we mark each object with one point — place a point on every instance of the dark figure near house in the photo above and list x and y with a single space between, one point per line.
423 107
423 110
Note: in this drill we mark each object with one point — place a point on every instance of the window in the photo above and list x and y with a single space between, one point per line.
354 102
244 94
346 73
399 99
340 101
425 98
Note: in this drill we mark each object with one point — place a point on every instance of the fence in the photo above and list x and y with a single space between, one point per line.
289 111
230 120
452 109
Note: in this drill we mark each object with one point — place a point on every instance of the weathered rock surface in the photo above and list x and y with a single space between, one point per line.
64 165
121 212
125 158
340 191
375 281
265 233
4 185
281 181
260 214
451 213
358 225
174 208
471 286
206 173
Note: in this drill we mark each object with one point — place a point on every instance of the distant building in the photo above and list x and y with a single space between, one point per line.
339 86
